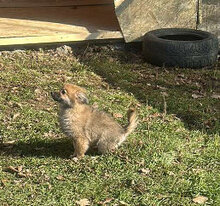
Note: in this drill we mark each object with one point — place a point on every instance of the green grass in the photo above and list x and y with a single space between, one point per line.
179 148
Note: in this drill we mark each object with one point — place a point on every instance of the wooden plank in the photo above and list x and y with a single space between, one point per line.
57 24
52 21
50 3
61 38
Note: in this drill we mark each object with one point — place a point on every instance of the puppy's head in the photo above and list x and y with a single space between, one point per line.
70 95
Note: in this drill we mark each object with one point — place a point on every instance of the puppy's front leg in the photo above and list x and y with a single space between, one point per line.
81 145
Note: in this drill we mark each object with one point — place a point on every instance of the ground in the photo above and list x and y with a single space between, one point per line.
172 158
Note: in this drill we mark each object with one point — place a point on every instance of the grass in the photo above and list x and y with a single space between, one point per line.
171 158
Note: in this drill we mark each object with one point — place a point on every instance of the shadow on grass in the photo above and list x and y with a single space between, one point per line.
40 148
128 72
59 148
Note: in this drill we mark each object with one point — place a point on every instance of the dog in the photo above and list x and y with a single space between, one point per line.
87 126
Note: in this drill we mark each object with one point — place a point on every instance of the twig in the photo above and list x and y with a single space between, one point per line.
164 103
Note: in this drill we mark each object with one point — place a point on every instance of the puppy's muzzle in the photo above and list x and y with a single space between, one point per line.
56 96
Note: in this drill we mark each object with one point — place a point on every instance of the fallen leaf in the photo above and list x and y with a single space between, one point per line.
95 105
49 185
165 94
108 200
20 168
118 115
123 203
3 182
20 174
9 144
181 75
60 177
141 163
37 91
145 171
15 116
83 202
200 199
149 107
48 134
196 96
162 88
215 96
12 169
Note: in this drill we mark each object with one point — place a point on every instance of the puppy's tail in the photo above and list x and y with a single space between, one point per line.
132 121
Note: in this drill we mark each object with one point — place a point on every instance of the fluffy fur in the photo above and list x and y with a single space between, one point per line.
88 127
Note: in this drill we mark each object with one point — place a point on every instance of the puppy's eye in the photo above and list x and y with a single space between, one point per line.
63 91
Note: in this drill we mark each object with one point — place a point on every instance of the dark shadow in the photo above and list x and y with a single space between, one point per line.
147 83
124 5
61 148
92 17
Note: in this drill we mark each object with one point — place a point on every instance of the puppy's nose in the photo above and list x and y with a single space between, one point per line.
52 94
55 96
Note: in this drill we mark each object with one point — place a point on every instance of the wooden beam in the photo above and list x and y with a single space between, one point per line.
50 3
60 38
57 24
52 21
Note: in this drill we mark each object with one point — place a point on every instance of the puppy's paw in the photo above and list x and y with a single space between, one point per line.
76 157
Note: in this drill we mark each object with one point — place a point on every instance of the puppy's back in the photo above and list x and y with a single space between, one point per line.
104 124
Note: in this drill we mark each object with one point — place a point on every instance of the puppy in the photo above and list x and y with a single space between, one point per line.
88 127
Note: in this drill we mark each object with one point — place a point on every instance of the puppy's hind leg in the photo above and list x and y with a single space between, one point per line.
106 146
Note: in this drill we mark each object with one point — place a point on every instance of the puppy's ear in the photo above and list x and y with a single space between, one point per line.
82 98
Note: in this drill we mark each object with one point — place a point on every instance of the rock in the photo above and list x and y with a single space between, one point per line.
64 50
209 17
140 16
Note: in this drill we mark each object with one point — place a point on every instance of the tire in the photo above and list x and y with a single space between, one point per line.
177 47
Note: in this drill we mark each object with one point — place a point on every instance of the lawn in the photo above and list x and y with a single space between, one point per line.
172 158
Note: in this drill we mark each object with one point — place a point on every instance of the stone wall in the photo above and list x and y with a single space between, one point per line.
209 16
136 17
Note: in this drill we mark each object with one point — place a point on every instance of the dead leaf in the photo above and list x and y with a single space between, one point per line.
200 199
37 91
12 169
144 171
196 96
15 116
162 88
3 182
181 75
8 144
118 115
20 168
60 177
215 96
20 174
141 163
95 105
83 202
123 203
165 94
108 200
17 105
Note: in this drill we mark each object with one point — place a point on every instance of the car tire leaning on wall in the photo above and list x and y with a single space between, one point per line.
186 48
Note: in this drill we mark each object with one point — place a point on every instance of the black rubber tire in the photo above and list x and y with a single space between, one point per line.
178 47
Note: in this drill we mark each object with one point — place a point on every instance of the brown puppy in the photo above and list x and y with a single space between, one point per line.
87 126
